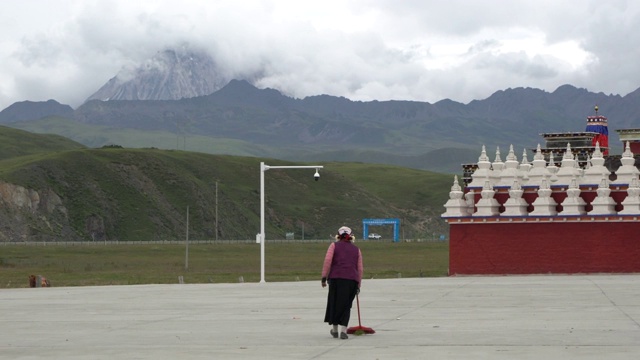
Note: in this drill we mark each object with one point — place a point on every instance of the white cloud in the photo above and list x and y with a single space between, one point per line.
363 50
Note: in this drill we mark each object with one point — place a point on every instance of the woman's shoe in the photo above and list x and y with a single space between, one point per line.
333 333
343 336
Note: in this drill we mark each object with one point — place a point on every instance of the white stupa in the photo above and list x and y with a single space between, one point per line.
496 169
456 205
552 168
631 204
510 173
538 171
596 169
487 205
573 204
515 205
544 204
524 168
483 172
568 170
628 170
603 204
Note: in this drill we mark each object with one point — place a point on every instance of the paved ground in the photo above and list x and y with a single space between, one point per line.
514 317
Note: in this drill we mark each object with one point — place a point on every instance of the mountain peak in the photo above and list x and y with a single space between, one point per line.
172 74
241 92
236 85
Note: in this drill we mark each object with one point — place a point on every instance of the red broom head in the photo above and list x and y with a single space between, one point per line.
360 330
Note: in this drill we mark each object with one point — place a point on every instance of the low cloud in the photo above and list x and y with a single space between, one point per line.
364 50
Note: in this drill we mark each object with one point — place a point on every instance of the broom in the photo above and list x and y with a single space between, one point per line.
360 330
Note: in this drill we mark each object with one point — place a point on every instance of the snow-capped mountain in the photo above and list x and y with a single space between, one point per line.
172 74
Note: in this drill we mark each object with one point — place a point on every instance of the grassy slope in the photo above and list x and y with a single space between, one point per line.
140 194
16 142
143 194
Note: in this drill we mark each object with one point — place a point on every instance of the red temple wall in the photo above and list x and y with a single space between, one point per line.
540 248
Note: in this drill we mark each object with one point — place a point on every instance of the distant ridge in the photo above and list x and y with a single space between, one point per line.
324 127
33 110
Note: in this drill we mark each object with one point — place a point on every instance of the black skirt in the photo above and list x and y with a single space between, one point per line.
339 301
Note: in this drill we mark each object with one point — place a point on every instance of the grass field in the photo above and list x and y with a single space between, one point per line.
84 265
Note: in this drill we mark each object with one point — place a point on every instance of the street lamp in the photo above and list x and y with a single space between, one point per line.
261 237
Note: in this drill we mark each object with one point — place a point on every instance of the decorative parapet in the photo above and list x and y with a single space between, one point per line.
532 190
544 219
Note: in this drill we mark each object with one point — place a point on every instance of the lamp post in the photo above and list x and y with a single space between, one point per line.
261 236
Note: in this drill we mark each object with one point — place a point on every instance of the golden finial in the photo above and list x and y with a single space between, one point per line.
596 110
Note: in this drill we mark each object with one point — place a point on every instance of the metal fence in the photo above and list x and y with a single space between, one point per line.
191 242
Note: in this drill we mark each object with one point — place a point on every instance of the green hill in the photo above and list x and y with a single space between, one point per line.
14 142
98 136
143 194
446 160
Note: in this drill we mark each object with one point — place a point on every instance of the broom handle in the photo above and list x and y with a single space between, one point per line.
358 303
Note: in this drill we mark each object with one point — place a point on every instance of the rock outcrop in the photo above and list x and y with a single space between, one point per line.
30 215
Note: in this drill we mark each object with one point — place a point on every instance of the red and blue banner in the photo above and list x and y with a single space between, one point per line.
598 124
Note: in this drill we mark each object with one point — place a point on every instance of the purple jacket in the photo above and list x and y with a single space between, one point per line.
343 261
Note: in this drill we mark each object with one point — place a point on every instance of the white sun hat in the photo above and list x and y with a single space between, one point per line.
344 230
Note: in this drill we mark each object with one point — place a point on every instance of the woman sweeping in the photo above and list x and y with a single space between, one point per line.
342 269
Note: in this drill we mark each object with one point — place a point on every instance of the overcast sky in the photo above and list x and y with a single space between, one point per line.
423 50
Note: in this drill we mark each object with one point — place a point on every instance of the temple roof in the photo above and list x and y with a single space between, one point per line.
581 134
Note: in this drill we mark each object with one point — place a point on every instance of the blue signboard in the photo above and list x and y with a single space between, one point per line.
391 221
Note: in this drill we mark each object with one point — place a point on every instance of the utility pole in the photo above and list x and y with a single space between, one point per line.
216 210
186 255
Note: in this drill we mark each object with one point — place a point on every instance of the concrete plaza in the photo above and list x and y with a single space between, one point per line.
500 317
